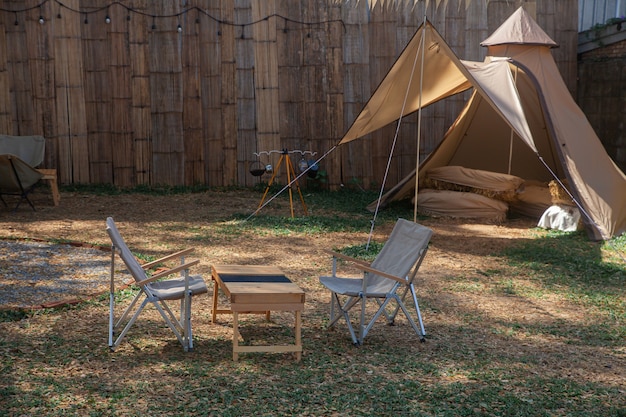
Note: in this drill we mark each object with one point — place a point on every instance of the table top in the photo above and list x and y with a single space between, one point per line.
251 270
254 284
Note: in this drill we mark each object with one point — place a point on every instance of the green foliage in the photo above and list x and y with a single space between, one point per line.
12 315
329 211
366 252
109 189
572 258
574 267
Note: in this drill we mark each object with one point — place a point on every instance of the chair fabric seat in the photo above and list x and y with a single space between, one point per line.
398 262
154 293
174 289
354 286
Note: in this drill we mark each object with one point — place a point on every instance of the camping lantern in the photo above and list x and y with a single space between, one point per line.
257 169
312 172
303 165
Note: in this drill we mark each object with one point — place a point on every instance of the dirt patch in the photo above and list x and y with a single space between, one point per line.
157 225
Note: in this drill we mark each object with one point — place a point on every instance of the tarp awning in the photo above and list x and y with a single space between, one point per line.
443 74
403 81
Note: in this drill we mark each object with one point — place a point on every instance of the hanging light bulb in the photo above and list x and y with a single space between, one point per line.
179 28
107 20
41 20
303 164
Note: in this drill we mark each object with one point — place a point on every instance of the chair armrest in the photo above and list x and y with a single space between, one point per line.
365 266
369 269
346 258
167 258
168 272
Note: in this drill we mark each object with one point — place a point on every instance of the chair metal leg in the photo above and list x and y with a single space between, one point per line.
111 317
419 313
381 310
335 316
362 325
187 325
129 324
333 300
172 324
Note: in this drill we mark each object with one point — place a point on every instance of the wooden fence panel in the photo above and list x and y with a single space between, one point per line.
6 113
136 101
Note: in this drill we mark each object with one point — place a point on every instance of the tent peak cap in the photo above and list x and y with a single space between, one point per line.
519 29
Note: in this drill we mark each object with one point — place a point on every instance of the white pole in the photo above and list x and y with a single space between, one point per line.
511 138
419 123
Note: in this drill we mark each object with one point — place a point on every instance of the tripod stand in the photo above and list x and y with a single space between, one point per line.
291 173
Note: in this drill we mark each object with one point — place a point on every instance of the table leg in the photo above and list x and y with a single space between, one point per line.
216 289
298 335
235 335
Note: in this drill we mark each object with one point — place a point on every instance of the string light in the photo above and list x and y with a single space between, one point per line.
179 28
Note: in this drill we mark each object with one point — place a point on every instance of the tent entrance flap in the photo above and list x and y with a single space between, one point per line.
496 84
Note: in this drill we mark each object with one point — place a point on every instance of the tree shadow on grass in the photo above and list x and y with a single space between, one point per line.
568 260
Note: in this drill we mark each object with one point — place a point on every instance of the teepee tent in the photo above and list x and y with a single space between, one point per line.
520 119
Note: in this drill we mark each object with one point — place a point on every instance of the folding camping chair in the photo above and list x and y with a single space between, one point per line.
20 160
155 292
389 277
17 178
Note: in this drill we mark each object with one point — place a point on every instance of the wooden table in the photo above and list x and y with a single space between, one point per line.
257 289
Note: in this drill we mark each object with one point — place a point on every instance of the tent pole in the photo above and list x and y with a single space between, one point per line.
511 138
395 137
419 123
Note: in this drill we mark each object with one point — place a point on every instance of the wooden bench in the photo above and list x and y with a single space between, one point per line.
50 175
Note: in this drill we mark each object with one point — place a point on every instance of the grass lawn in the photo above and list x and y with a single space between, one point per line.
520 321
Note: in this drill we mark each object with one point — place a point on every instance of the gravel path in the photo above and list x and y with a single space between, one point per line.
42 275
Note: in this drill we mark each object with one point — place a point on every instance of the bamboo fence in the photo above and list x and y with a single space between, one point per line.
188 92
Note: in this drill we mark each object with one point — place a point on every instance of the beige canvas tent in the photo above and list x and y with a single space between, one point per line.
520 120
